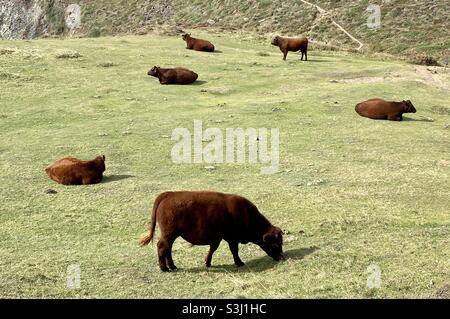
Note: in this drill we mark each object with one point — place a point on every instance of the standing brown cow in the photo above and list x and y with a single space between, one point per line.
197 44
72 171
205 218
173 76
379 109
292 44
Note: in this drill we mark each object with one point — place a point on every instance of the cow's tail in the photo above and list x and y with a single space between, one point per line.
149 237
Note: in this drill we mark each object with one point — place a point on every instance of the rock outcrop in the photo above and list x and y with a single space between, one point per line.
21 19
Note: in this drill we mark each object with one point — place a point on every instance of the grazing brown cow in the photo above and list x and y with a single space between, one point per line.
379 109
72 171
197 44
205 218
291 44
173 76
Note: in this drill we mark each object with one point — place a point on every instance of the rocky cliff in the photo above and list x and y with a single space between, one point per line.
22 19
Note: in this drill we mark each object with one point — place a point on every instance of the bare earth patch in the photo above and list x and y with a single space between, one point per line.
432 76
443 292
375 79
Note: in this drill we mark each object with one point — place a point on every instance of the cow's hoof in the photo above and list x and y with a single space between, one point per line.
240 264
165 269
208 265
173 267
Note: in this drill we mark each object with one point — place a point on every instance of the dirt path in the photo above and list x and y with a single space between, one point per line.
393 77
325 13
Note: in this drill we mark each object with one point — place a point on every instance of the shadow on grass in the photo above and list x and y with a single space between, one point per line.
217 51
115 178
199 82
409 119
298 254
255 265
316 61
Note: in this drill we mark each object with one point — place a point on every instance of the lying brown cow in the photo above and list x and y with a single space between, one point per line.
379 109
72 171
173 76
205 218
197 44
291 44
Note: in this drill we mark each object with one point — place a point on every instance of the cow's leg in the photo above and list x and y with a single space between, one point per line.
395 117
285 52
163 248
212 248
90 180
169 254
306 55
301 59
234 247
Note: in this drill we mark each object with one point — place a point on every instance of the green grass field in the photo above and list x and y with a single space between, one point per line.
351 192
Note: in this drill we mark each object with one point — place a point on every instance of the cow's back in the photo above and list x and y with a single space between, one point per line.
293 44
298 44
202 45
184 76
204 217
63 170
72 171
375 109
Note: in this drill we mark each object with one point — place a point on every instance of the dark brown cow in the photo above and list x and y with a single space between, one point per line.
173 76
379 109
72 171
291 44
197 44
205 218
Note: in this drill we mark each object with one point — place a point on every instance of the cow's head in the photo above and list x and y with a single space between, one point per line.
275 40
186 36
153 71
100 160
409 107
272 243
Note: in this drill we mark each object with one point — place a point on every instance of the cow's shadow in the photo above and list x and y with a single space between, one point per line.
318 60
256 265
199 82
410 119
115 178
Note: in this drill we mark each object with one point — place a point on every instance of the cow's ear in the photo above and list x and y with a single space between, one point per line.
279 234
268 237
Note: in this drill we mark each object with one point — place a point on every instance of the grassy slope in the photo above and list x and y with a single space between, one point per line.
362 191
407 26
